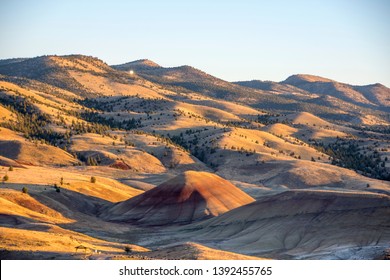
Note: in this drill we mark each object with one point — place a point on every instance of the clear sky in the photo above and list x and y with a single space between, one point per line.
348 41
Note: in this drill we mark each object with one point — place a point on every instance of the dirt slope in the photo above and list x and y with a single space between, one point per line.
188 197
299 224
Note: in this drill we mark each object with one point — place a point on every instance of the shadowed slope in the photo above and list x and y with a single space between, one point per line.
188 197
194 251
303 224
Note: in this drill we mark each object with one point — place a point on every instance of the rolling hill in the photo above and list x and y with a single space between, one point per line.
161 160
189 197
295 223
354 94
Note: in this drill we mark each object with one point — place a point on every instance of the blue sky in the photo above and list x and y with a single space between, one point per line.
348 41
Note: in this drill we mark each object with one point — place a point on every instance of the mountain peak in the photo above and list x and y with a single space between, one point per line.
137 65
299 78
147 62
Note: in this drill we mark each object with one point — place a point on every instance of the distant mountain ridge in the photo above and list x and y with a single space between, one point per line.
301 84
186 77
327 98
343 91
375 94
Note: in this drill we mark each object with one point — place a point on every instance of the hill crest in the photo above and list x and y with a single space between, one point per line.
137 65
188 197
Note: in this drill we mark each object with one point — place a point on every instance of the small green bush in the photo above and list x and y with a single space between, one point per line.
25 190
93 179
5 178
10 168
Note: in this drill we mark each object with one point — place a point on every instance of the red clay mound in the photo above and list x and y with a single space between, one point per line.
186 198
120 165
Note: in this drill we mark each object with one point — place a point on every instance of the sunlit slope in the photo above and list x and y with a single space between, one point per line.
17 148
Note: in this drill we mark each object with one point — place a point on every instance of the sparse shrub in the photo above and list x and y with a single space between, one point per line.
5 178
93 179
62 181
368 185
57 188
312 159
10 168
128 250
25 190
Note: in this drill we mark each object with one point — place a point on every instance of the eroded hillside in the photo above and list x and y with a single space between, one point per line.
128 161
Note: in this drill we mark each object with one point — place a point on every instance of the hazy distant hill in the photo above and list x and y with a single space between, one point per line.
371 96
376 93
358 95
138 65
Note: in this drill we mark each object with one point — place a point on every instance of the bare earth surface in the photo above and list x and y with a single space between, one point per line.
172 163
